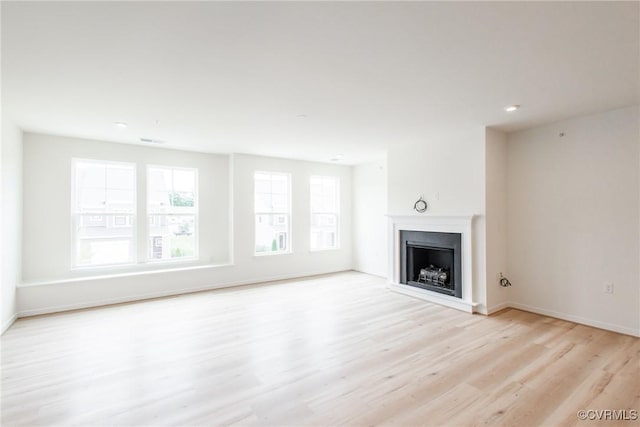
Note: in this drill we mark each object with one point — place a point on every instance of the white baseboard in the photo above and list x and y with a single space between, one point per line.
562 316
6 325
568 317
382 276
174 292
498 307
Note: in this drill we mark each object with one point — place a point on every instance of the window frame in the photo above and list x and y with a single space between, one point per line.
76 217
336 213
274 213
196 215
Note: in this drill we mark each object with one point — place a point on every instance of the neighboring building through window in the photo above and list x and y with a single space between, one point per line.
272 204
325 212
173 213
103 213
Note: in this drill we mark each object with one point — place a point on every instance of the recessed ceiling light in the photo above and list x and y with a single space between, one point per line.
302 116
121 124
336 158
510 108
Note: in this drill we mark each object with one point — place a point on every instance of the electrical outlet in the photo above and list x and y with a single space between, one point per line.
608 288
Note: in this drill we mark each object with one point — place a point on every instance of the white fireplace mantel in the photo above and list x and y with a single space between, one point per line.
435 223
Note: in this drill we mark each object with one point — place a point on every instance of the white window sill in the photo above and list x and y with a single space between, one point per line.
124 274
324 250
183 260
263 254
132 266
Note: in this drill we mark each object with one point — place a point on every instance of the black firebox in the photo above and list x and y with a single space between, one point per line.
432 261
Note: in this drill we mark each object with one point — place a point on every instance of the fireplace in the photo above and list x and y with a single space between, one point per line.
447 234
432 261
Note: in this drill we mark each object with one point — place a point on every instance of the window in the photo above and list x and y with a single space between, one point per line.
173 213
103 213
272 212
325 208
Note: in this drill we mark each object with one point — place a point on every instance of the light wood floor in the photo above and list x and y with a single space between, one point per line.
331 350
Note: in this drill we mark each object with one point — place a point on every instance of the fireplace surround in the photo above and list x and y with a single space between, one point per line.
403 227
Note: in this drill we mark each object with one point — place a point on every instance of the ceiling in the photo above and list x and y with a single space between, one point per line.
311 80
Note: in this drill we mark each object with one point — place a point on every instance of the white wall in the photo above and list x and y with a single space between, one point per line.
11 219
369 231
450 174
228 212
496 218
573 206
47 202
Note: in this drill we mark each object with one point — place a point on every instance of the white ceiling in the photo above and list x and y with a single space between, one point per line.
236 77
